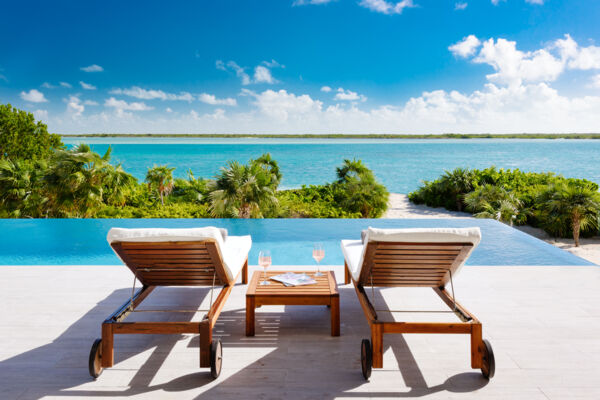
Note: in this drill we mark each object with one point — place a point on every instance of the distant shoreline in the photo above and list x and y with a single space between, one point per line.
349 136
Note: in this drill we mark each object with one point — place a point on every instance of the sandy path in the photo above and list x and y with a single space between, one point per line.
401 207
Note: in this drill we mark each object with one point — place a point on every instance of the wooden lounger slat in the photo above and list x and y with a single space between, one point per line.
400 261
418 252
176 264
168 251
163 245
170 256
394 257
417 247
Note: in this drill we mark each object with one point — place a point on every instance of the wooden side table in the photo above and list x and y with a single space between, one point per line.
324 293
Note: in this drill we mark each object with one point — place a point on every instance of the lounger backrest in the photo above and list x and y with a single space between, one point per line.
428 259
174 263
411 264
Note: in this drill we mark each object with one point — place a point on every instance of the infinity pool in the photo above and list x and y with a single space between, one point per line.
83 241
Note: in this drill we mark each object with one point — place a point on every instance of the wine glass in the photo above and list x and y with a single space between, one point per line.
318 254
264 260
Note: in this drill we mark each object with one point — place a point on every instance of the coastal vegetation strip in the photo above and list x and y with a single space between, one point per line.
561 206
350 136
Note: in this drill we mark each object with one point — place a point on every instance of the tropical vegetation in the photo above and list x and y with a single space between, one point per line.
563 207
40 178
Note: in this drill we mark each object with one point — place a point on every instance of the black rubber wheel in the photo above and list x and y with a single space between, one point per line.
366 358
489 363
216 358
95 362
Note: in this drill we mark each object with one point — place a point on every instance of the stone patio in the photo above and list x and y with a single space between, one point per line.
543 322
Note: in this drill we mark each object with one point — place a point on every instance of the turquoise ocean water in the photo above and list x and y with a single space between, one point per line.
399 164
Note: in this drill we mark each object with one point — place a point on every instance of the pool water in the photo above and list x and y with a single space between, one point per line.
83 241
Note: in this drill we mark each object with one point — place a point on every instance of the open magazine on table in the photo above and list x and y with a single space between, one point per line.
294 279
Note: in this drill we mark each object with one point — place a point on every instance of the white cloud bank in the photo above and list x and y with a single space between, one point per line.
517 97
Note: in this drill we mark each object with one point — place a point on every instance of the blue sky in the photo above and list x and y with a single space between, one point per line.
304 66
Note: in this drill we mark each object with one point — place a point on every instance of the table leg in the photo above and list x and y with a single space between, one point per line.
335 316
250 316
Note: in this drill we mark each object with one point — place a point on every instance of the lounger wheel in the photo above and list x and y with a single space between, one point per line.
216 358
366 358
95 362
488 367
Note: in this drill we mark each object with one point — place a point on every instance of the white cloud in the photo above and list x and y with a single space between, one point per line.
48 85
387 7
326 89
92 68
348 95
90 103
65 85
460 6
514 66
586 58
74 107
87 86
33 96
40 114
284 106
263 75
169 109
211 99
305 2
239 72
273 64
151 94
220 65
121 105
465 47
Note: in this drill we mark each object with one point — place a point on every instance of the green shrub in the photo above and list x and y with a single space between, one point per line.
544 200
22 138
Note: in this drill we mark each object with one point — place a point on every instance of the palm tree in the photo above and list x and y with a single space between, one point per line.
490 201
119 185
271 168
359 190
160 179
570 205
75 181
351 169
21 188
458 182
241 191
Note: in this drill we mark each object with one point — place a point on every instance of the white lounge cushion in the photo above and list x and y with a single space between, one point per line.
233 248
235 252
351 248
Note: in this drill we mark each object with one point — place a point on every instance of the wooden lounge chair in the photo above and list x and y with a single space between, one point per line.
174 257
413 258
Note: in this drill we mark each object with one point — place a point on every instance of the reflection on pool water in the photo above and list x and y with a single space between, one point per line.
83 241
